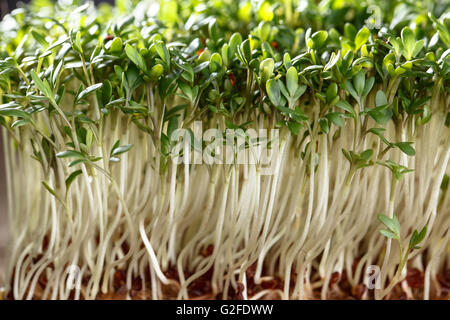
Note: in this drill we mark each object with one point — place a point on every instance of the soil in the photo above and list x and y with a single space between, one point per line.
200 289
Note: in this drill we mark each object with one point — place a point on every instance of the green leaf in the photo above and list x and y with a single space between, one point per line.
235 42
396 223
297 114
299 92
167 12
9 112
17 123
335 118
135 107
39 38
106 93
88 90
168 114
346 62
71 178
60 94
215 63
397 45
445 183
349 87
294 127
391 223
44 87
380 99
78 161
136 58
417 237
292 81
359 82
213 30
366 155
317 39
418 46
266 69
406 148
172 126
78 44
225 54
347 155
246 51
156 71
122 149
116 144
379 133
389 234
347 107
163 53
70 154
323 123
380 116
116 45
409 41
331 92
368 86
397 170
349 31
361 37
287 62
274 92
50 189
332 62
265 11
57 43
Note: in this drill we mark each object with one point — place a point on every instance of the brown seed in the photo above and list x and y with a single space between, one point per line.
119 279
172 274
37 258
415 278
334 277
10 296
239 296
208 251
199 287
133 293
239 291
269 284
45 243
403 296
250 272
121 291
125 247
219 296
43 281
232 79
358 291
137 284
200 51
280 283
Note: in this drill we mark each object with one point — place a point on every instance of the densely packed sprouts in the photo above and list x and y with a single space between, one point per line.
90 101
